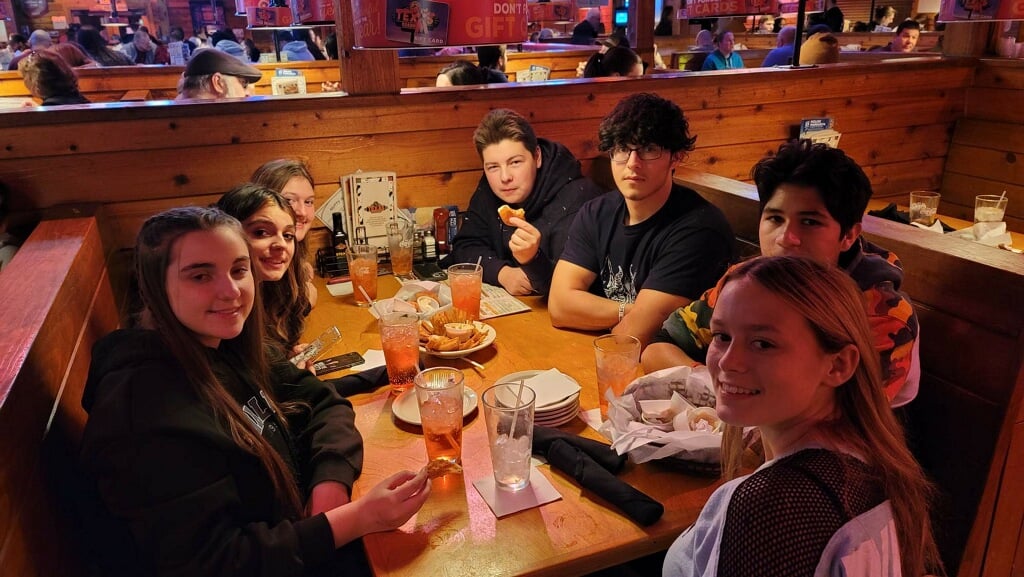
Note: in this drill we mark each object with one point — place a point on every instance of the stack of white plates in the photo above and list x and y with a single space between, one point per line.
558 396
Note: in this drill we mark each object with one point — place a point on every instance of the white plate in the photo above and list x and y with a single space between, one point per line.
406 409
559 421
524 375
489 337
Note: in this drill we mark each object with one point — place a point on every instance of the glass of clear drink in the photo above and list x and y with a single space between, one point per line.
400 244
439 396
400 340
362 267
618 361
989 208
466 282
924 205
508 410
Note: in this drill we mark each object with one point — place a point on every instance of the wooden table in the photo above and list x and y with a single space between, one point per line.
956 223
455 532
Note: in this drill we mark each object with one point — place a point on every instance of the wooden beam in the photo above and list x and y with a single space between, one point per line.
363 71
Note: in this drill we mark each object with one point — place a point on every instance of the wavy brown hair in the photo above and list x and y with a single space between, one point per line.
153 250
864 422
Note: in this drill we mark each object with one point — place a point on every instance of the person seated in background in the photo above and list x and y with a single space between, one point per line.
252 52
96 48
143 50
207 454
306 36
491 61
292 180
820 48
74 55
834 17
884 15
705 42
292 49
792 354
765 24
637 253
226 41
49 78
459 73
178 49
905 39
723 58
782 54
537 176
38 40
213 75
664 27
812 201
617 61
331 46
585 33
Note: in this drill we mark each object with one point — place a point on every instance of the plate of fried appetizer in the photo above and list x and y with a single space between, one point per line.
450 334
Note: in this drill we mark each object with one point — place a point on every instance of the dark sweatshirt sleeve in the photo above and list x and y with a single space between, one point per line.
166 468
477 237
328 434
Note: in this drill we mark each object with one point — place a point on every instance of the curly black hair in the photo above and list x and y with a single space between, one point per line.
645 118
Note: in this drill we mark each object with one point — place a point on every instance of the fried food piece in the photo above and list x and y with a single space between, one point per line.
506 212
440 468
434 337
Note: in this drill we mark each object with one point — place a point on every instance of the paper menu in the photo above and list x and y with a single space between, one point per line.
496 302
367 201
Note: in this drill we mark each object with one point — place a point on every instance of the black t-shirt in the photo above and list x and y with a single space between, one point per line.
682 249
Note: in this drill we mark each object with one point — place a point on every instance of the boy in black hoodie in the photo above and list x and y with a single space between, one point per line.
525 172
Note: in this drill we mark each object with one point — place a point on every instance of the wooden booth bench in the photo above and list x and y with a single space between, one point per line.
57 301
966 425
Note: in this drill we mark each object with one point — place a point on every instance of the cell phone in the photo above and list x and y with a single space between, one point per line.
325 341
333 364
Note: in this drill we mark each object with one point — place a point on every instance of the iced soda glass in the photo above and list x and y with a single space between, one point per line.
466 281
618 360
362 267
400 243
439 397
400 340
508 410
924 205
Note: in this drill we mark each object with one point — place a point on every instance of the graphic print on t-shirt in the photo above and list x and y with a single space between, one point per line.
617 285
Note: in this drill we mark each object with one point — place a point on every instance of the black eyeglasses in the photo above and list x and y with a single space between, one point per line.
620 154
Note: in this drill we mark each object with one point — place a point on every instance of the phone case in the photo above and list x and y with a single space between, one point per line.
317 347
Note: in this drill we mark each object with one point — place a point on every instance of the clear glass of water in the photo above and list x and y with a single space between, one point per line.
508 411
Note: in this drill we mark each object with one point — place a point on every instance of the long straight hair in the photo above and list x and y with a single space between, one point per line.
153 250
285 303
833 308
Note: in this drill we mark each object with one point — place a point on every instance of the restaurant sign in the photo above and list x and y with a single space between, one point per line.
962 10
709 8
404 23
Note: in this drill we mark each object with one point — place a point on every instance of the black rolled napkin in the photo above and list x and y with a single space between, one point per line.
890 212
590 475
599 452
360 382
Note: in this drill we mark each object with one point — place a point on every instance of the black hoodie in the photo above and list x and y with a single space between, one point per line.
559 190
183 498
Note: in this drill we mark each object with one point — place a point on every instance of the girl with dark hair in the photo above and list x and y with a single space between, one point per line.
210 459
617 61
96 48
793 354
269 225
291 179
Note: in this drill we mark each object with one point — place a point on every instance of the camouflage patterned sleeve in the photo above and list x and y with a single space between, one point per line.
894 324
689 326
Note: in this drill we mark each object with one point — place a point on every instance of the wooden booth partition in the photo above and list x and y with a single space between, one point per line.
895 117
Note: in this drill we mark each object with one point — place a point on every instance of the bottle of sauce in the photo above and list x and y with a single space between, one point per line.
339 239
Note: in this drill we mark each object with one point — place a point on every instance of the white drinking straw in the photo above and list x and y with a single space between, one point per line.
515 413
481 257
1002 196
372 302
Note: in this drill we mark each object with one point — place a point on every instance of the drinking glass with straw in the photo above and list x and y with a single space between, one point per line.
439 394
509 412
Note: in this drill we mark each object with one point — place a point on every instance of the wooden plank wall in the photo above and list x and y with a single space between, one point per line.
895 117
965 423
57 303
986 155
161 82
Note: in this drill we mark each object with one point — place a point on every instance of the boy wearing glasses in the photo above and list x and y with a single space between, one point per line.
636 254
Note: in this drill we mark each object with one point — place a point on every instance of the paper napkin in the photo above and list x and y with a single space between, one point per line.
551 386
502 503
